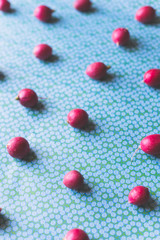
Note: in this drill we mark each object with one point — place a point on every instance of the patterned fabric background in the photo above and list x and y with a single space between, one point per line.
122 110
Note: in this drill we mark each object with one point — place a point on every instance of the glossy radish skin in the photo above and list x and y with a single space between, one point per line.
18 147
145 14
73 180
139 196
76 234
27 97
97 70
77 118
4 5
43 13
151 144
152 77
120 36
42 51
82 5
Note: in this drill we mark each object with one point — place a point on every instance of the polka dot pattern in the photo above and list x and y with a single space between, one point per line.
122 110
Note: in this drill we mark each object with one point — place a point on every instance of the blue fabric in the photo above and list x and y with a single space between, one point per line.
123 110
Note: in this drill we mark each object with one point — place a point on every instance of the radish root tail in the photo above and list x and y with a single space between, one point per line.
135 152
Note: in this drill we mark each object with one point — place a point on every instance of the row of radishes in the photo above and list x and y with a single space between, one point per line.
145 14
18 147
120 36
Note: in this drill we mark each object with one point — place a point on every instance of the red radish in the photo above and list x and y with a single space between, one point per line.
42 51
77 118
152 77
0 209
43 13
139 196
73 179
145 14
5 5
97 70
27 97
120 36
76 234
18 147
150 145
82 5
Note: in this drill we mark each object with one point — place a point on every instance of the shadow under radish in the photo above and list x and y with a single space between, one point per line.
4 221
31 157
40 107
155 157
151 205
107 78
10 11
2 76
156 87
91 10
156 21
91 126
85 188
53 20
53 58
132 44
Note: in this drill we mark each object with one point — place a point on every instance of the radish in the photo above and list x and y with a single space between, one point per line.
42 51
152 77
27 97
76 234
82 5
43 13
97 70
120 36
18 147
73 179
139 196
150 145
77 118
5 6
145 14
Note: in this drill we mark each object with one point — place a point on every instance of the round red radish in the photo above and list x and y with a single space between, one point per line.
145 14
97 70
151 144
5 5
27 97
120 36
73 180
139 196
18 147
42 51
43 13
77 118
76 234
82 5
152 77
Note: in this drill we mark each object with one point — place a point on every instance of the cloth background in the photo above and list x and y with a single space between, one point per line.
122 110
